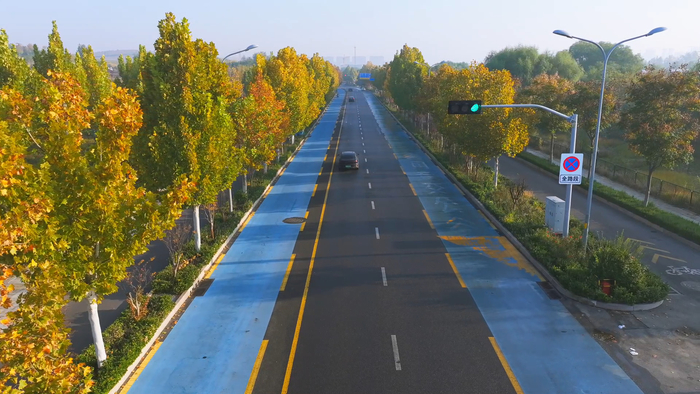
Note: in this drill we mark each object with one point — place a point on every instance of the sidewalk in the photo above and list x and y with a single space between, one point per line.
664 206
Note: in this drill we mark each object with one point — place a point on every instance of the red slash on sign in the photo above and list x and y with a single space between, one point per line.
571 164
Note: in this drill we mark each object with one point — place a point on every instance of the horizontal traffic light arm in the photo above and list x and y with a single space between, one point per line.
567 117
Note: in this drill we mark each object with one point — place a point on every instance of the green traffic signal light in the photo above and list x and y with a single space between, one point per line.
464 107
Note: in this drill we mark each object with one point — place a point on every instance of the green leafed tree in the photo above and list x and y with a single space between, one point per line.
550 91
590 58
405 77
130 71
289 77
524 63
493 133
661 119
187 129
584 100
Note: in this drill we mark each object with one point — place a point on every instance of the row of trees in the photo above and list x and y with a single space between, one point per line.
656 109
91 171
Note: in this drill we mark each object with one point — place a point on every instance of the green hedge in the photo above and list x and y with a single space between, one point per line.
126 337
671 222
579 272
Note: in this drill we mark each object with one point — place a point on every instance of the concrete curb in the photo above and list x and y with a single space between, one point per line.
620 209
543 271
186 294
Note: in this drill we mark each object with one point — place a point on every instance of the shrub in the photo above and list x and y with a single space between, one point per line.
124 340
564 258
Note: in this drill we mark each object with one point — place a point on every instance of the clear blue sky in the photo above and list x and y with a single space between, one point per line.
441 29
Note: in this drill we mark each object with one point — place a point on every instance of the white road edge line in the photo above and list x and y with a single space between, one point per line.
376 232
372 204
384 276
397 362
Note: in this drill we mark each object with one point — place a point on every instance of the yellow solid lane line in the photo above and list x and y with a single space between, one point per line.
413 190
454 268
303 225
295 340
213 267
125 389
286 275
430 222
269 189
256 368
247 220
314 193
487 219
504 362
321 171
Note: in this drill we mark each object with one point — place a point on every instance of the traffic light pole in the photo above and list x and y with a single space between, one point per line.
573 119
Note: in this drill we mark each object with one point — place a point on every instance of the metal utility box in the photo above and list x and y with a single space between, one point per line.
554 214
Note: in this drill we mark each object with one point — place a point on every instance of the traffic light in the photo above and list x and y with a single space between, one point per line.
464 107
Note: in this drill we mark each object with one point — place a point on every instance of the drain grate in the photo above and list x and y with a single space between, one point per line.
294 220
202 288
551 292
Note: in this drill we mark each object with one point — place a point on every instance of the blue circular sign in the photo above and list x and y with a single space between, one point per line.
571 164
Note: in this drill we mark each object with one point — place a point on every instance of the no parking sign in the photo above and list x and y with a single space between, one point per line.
570 169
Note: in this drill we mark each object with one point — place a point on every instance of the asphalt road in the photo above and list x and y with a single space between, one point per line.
662 253
384 311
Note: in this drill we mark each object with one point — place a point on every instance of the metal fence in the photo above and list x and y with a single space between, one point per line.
669 192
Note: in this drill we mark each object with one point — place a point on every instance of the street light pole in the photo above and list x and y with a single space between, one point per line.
594 155
242 50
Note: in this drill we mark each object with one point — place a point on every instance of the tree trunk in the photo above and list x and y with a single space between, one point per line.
264 168
230 199
292 139
495 175
94 319
551 149
245 182
648 193
197 230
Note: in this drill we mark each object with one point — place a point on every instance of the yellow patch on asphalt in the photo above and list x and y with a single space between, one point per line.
413 190
498 248
286 275
303 225
314 193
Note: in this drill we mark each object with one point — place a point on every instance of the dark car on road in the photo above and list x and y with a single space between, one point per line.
351 99
348 160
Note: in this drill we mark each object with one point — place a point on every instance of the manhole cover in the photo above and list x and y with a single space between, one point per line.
691 284
294 220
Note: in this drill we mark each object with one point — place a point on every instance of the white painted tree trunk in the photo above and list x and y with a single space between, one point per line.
230 199
495 175
292 139
264 168
197 230
245 183
94 319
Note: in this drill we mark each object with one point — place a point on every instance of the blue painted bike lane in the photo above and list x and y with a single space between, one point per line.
214 345
546 348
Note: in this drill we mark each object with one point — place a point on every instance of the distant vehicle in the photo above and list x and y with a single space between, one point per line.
349 89
351 99
348 160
